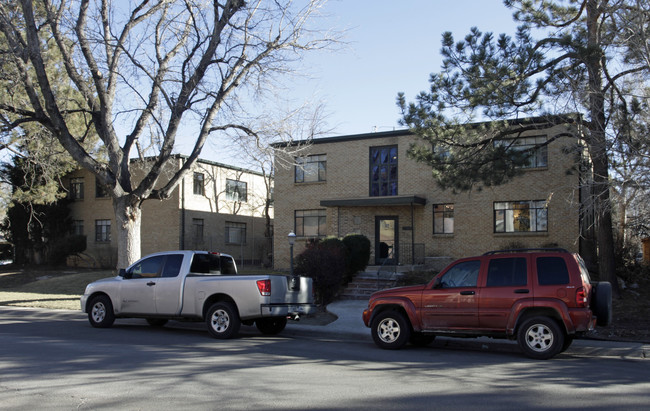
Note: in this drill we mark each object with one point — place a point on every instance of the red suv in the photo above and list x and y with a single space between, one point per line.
543 298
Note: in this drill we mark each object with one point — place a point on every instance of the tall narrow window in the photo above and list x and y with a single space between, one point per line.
520 216
100 191
383 171
102 231
235 233
311 223
76 188
443 218
236 191
311 169
198 184
197 230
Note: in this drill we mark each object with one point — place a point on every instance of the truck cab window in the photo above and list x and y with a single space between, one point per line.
172 265
147 268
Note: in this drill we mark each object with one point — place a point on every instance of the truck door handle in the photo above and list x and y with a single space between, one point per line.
467 292
522 291
151 283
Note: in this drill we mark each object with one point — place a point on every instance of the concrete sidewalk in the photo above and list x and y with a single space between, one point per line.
350 325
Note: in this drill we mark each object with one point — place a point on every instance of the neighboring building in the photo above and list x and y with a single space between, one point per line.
367 184
216 207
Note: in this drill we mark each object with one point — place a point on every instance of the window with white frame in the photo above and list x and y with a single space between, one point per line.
443 218
102 231
520 216
235 232
311 169
236 191
311 223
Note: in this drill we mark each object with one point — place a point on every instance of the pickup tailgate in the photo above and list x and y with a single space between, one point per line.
289 296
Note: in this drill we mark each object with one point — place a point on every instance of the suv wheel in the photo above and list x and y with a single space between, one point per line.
540 338
390 330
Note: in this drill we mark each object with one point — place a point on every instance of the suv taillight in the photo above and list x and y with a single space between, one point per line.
581 297
264 286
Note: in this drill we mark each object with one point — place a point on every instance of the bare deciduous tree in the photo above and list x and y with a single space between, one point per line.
146 74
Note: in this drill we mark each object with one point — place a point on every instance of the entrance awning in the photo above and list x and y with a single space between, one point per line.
374 201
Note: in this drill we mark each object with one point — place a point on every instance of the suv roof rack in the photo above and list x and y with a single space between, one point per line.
524 250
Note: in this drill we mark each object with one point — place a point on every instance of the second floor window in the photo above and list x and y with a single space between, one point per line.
311 169
102 231
236 191
383 171
77 188
520 216
532 147
198 184
100 191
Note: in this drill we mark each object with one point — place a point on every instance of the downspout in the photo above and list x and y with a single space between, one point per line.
182 233
412 236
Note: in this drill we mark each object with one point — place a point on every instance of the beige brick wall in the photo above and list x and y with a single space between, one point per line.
348 178
162 220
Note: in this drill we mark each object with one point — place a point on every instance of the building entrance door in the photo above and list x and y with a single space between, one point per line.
386 240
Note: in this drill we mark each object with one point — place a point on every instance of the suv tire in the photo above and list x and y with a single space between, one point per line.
601 303
540 338
390 330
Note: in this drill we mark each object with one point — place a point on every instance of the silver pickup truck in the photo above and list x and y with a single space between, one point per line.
200 286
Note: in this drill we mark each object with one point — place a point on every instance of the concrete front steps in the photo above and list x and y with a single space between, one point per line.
365 283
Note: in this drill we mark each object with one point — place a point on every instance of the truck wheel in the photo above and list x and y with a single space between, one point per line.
157 322
390 330
101 313
272 325
223 320
540 338
421 340
601 303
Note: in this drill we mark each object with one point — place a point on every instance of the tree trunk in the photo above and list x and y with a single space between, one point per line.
128 217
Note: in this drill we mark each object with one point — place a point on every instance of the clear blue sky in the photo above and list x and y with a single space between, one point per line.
392 46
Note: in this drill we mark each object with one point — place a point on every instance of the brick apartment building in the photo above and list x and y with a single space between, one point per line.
367 184
216 207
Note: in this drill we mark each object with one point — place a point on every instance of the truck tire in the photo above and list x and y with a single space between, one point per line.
390 330
157 322
271 325
540 338
223 320
100 313
601 303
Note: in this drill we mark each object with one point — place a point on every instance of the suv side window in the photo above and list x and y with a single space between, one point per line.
552 271
463 274
505 272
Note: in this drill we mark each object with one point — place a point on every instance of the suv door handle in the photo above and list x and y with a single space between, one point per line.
151 283
467 293
522 291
